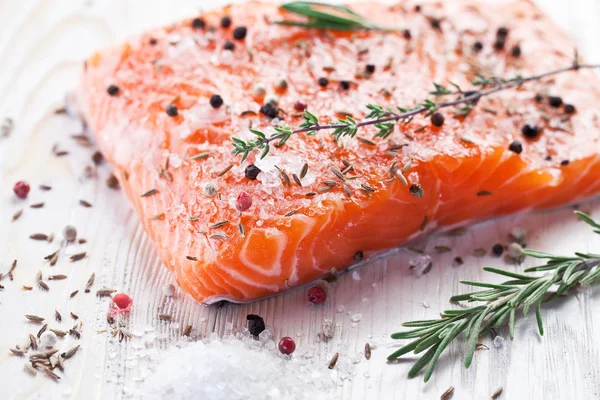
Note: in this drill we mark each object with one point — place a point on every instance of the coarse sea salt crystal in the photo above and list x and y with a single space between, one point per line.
174 160
356 317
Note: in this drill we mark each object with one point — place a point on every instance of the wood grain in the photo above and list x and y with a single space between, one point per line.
41 48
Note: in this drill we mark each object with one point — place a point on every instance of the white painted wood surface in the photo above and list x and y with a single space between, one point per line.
42 44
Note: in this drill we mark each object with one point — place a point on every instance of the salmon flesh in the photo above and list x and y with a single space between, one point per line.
318 205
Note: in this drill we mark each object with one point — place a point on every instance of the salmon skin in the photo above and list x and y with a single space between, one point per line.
148 101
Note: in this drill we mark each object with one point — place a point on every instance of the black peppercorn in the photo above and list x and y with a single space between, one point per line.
113 90
370 68
358 256
531 131
477 46
198 23
252 172
269 110
229 46
499 44
345 85
97 158
569 108
502 32
416 190
323 82
256 324
437 119
407 35
564 163
516 147
417 8
226 22
172 110
516 51
153 41
216 101
240 33
498 249
538 98
435 23
555 101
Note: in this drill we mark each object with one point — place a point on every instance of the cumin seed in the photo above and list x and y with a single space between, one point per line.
90 282
61 153
391 153
27 287
324 189
333 361
225 170
39 334
393 169
310 194
366 192
330 183
466 140
424 223
337 173
70 353
57 277
367 351
479 252
220 236
78 256
297 180
192 258
17 214
57 316
292 213
242 229
201 156
44 285
187 330
34 318
33 341
82 241
347 190
285 177
149 193
164 317
406 166
59 332
18 352
168 176
73 294
74 316
30 369
304 171
157 216
497 393
219 224
442 249
447 395
38 236
367 187
85 203
105 292
484 193
112 182
193 218
366 141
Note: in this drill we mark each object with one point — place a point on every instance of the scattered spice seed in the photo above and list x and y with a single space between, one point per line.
74 316
38 236
112 182
497 393
435 23
27 287
297 180
187 330
416 190
366 141
240 33
42 330
113 90
285 177
201 156
50 237
37 205
18 352
437 119
484 193
78 256
30 369
256 324
516 51
243 202
530 131
424 222
219 224
338 173
497 249
191 258
330 183
164 317
70 233
242 229
479 252
33 341
564 163
516 147
251 172
73 294
219 236
149 193
82 241
323 82
34 318
225 170
97 158
555 101
57 316
216 101
286 345
447 395
198 23
17 214
477 47
333 361
458 261
105 292
210 189
44 285
70 353
51 374
57 277
370 68
230 46
570 109
367 351
225 21
347 190
21 189
442 249
172 110
157 216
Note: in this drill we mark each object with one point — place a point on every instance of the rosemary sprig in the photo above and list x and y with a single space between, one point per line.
327 16
500 301
384 119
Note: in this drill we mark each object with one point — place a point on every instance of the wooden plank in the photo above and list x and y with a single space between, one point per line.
41 50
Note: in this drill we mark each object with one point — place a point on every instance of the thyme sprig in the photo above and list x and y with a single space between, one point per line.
500 302
328 16
384 118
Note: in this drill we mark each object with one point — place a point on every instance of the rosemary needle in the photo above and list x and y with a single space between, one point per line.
499 302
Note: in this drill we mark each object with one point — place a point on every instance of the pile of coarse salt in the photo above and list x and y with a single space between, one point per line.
239 368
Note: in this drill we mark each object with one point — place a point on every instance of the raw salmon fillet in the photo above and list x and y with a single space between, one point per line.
290 236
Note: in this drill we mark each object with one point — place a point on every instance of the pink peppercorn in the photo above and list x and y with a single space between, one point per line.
243 201
287 345
122 301
21 189
317 295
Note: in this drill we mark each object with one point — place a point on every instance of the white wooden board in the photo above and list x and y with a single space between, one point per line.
42 44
